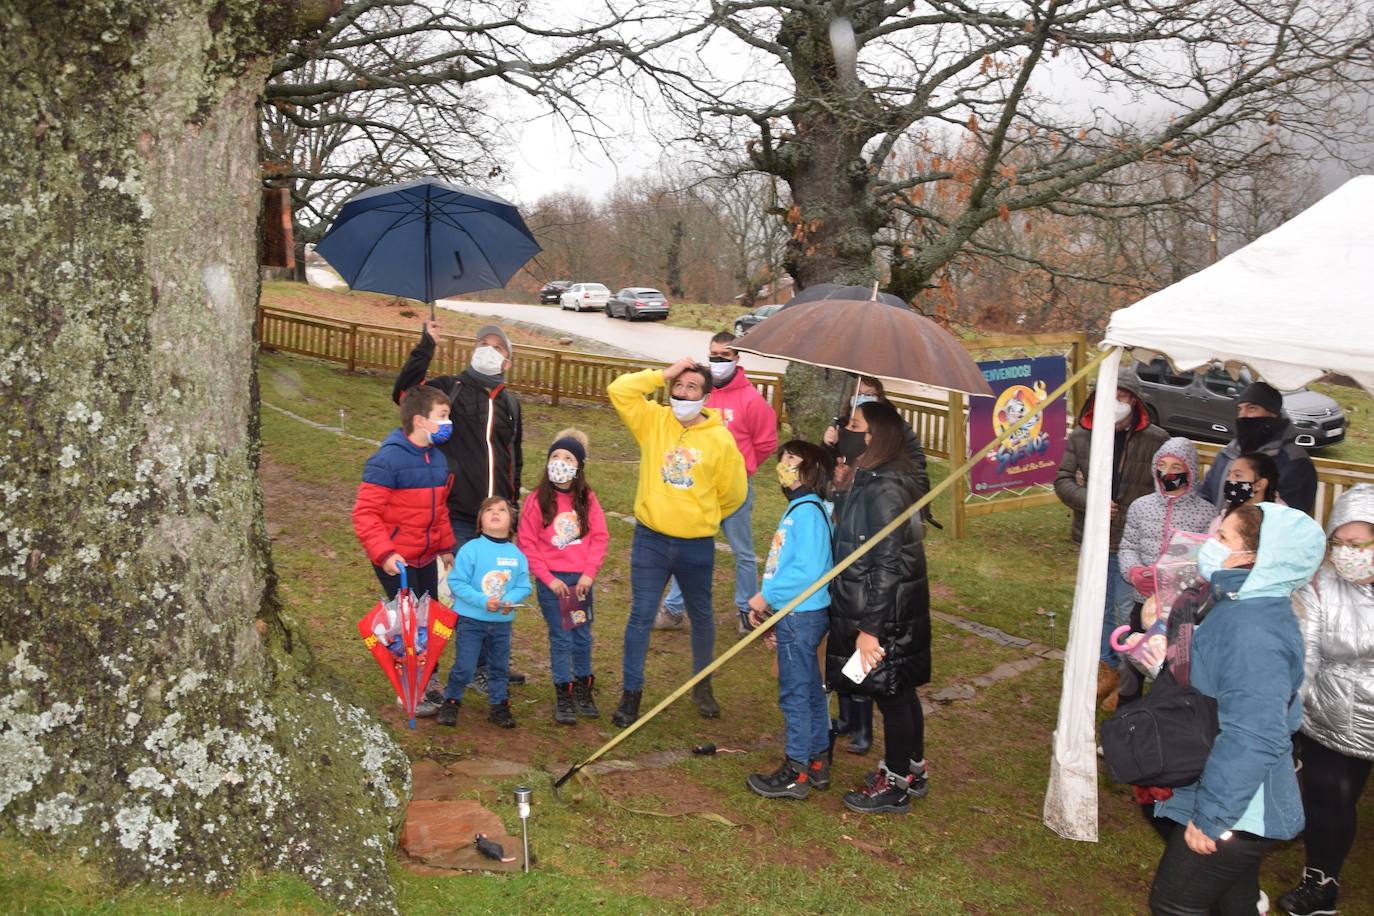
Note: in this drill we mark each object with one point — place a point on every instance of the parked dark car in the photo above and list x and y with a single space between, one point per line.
550 291
637 302
1202 405
744 322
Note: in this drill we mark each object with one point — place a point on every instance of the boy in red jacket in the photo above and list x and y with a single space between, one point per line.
401 513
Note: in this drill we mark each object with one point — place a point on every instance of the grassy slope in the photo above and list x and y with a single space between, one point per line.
975 845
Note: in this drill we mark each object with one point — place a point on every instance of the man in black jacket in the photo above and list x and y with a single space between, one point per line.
1261 426
484 453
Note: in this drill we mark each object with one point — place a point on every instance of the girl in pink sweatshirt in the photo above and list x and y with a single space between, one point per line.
563 536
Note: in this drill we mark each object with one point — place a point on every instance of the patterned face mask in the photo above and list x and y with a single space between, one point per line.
788 475
1353 564
560 471
1238 492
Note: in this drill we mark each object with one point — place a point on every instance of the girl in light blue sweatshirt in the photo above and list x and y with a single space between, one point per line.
489 579
800 554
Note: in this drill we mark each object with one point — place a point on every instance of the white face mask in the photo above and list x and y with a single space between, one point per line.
487 360
561 471
1123 411
720 371
1353 564
687 410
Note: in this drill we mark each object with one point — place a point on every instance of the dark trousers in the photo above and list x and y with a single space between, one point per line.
904 730
1225 883
1331 785
422 581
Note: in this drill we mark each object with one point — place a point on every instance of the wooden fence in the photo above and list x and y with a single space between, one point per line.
557 374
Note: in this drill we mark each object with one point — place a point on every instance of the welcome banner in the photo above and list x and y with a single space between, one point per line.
1032 453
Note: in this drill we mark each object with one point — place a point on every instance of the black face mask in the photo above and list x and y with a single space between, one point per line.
1172 483
851 445
1254 432
1237 492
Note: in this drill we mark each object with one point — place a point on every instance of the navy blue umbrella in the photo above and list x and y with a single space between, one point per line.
427 239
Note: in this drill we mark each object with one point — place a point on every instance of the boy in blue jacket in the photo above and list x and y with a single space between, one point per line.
489 579
800 554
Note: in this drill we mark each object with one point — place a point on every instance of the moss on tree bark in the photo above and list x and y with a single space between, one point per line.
157 715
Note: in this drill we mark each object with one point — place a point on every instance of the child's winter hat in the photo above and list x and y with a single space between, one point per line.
573 440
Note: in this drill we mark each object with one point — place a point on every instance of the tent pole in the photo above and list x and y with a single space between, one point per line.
1071 798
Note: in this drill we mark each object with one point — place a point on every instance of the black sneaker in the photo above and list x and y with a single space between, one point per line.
791 780
582 697
448 713
818 773
564 710
887 795
628 710
1314 896
499 714
918 777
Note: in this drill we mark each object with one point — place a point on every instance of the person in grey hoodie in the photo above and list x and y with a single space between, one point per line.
1151 521
1337 738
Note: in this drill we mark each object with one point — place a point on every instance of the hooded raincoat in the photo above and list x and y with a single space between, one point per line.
1338 631
1247 654
1152 520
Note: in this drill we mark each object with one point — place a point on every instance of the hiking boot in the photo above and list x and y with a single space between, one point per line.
448 713
582 697
431 702
743 627
818 773
860 725
791 780
565 708
667 620
628 710
499 714
1314 896
886 795
1113 700
919 779
479 681
705 701
1107 680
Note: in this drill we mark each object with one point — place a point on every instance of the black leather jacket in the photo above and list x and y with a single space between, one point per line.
885 592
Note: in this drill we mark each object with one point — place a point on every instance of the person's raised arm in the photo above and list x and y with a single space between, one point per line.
417 364
627 395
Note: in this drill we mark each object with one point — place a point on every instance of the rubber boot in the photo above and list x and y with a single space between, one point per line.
844 723
861 732
705 701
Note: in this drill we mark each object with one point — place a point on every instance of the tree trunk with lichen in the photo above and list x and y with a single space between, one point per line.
835 217
157 717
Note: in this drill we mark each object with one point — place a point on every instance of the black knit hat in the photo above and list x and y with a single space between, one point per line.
1262 395
568 442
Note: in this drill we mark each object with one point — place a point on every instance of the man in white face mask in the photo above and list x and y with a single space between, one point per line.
754 425
691 476
487 433
1137 440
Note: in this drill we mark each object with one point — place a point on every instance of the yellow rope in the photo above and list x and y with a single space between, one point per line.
839 567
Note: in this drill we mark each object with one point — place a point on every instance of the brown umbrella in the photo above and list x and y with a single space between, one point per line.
867 338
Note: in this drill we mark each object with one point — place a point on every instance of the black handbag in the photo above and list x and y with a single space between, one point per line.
1162 739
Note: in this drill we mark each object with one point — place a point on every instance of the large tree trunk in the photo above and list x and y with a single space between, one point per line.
157 718
834 217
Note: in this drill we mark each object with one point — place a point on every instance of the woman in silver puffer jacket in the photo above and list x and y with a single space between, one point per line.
1337 738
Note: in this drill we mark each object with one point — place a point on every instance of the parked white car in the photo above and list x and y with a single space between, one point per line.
581 296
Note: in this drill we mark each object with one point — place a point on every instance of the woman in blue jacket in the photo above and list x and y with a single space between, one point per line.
1247 654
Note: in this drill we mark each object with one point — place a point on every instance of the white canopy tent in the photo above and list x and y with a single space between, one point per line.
1293 305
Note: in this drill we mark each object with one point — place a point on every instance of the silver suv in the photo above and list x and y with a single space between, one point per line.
1202 405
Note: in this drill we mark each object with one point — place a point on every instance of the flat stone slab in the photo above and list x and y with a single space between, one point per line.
485 767
439 834
957 692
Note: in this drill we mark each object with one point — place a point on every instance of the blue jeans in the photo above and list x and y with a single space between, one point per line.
738 528
570 651
462 532
488 639
801 696
1117 612
653 558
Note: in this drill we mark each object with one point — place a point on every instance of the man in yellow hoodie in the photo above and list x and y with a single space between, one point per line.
691 475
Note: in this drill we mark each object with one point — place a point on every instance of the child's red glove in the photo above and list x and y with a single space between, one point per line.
1143 578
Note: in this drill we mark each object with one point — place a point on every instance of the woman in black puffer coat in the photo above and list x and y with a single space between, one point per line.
881 606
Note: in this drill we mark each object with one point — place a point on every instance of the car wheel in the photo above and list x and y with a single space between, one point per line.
739 330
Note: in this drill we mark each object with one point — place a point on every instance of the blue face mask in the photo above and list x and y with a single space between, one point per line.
864 399
1211 557
442 434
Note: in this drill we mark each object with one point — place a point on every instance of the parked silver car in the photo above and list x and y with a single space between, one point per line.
637 302
1202 405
